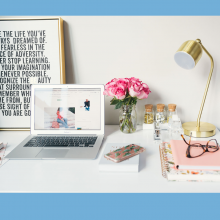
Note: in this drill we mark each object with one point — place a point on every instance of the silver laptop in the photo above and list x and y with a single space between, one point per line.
67 122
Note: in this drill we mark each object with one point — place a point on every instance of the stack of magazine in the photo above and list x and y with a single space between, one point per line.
170 171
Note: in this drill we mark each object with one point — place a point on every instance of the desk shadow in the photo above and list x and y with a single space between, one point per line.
100 149
111 130
143 159
69 54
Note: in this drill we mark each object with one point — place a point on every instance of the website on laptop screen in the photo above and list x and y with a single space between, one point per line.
67 108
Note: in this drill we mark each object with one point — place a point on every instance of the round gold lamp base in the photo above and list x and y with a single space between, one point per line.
205 129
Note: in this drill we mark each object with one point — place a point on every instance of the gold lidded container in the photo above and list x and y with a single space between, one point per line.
160 114
149 114
171 111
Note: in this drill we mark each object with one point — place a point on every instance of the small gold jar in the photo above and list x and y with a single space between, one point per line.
149 114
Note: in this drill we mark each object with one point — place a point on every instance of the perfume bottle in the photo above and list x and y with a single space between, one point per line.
171 111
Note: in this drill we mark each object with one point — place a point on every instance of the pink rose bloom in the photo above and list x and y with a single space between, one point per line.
134 87
144 92
120 93
109 87
117 88
133 80
138 89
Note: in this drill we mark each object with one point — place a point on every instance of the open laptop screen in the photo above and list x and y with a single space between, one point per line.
67 108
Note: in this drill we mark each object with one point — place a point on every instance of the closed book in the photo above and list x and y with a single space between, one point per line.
170 172
129 165
207 161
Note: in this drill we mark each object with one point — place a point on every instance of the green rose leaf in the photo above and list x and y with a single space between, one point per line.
114 101
118 105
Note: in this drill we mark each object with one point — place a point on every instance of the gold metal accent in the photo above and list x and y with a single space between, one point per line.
198 129
193 48
14 129
61 50
207 86
61 54
205 129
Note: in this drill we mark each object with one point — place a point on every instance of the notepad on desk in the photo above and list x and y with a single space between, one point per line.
172 174
207 161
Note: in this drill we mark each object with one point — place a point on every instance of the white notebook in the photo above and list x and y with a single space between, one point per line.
130 165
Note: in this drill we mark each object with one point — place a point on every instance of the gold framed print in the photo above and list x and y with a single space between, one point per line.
31 52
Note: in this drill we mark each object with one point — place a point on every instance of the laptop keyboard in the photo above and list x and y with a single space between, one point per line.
57 141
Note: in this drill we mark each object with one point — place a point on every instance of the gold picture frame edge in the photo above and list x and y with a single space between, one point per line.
14 129
61 54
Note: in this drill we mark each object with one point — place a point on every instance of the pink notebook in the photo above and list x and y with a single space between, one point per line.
208 161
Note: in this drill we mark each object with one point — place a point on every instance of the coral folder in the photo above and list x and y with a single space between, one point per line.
208 161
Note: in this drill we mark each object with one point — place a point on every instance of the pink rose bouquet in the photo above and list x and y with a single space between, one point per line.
126 91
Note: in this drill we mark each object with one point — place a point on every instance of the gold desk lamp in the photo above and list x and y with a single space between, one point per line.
187 57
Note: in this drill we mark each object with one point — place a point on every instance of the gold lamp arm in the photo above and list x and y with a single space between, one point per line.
207 85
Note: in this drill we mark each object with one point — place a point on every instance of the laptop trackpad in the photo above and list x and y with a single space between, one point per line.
52 153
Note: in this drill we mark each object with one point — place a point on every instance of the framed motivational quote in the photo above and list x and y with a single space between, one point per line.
31 52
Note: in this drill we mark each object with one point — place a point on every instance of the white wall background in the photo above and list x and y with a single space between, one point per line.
99 48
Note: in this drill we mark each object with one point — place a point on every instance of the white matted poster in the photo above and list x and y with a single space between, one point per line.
31 52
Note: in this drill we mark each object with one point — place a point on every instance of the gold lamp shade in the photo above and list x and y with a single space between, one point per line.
187 56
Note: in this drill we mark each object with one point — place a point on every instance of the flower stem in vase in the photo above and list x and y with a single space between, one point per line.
128 119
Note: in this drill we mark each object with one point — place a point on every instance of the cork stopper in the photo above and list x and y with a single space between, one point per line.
160 107
172 107
149 108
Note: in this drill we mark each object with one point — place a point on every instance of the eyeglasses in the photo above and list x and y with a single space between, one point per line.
197 149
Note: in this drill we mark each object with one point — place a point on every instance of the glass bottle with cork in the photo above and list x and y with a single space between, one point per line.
149 114
171 111
160 115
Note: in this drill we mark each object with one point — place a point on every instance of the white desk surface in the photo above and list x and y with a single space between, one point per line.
83 175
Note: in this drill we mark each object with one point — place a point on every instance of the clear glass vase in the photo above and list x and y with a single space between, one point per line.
128 119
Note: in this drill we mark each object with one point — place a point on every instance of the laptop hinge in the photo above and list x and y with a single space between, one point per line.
66 134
